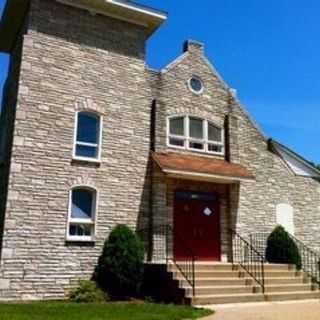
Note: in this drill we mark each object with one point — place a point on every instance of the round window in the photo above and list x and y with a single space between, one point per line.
196 85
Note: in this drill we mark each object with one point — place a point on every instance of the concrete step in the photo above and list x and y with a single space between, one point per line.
210 267
279 267
204 299
217 282
227 298
296 295
220 266
238 274
212 274
285 280
215 290
287 288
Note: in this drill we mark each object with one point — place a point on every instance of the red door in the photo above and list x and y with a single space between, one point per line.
197 226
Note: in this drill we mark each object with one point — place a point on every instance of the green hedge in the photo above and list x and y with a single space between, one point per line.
282 249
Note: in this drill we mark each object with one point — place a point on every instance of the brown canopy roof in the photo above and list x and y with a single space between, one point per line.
200 166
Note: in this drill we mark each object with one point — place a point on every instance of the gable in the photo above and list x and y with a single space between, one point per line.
192 59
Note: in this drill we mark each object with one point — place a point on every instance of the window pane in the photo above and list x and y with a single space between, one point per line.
214 148
88 128
85 151
196 84
196 128
176 142
80 230
177 126
214 133
196 145
82 201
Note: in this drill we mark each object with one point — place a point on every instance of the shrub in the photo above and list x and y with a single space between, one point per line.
120 267
281 248
88 291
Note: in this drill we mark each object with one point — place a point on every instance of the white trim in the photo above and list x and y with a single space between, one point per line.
138 8
175 62
92 222
198 93
187 139
76 143
209 176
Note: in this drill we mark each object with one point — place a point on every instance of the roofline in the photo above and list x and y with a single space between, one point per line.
140 8
210 176
295 155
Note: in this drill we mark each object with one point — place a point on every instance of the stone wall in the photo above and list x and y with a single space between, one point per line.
73 61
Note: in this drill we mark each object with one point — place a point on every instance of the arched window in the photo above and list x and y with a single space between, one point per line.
88 134
82 214
195 134
284 216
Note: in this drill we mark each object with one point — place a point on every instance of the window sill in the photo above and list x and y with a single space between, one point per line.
86 160
208 153
79 241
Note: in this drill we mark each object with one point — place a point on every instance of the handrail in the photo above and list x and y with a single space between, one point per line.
248 257
187 266
310 259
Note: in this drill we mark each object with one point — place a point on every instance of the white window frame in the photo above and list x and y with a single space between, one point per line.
190 86
187 139
79 143
92 222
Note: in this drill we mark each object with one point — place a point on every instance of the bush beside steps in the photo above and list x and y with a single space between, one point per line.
281 248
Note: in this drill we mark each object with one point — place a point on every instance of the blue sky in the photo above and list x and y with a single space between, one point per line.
269 51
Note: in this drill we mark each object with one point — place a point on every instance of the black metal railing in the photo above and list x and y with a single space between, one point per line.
161 245
310 259
245 255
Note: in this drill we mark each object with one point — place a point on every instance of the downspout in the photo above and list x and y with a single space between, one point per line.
227 128
152 149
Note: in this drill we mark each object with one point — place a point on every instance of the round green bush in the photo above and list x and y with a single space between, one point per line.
281 248
88 292
121 265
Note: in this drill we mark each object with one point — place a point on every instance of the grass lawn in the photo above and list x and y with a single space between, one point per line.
111 311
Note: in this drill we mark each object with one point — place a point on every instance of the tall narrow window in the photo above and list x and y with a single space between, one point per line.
177 131
196 134
82 213
215 139
88 136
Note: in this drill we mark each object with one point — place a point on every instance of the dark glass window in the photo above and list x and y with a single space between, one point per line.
214 133
82 204
196 128
88 131
82 216
177 126
196 84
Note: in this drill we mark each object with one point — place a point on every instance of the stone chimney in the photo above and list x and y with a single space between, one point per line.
193 46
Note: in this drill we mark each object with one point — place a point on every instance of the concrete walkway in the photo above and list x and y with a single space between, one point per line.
297 310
